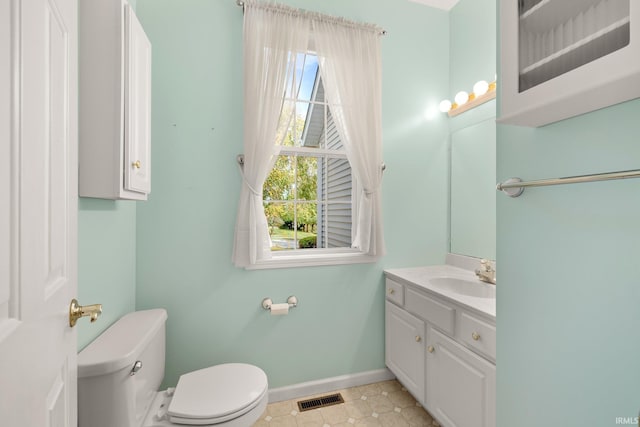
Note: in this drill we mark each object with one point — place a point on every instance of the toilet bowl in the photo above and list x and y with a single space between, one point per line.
224 395
119 374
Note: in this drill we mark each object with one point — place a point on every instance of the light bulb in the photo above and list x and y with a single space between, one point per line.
480 88
445 106
461 97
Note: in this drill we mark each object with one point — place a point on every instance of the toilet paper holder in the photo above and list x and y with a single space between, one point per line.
292 301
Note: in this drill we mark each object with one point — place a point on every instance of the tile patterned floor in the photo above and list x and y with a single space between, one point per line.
386 404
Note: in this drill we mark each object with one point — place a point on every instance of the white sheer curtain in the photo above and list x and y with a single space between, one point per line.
350 66
271 33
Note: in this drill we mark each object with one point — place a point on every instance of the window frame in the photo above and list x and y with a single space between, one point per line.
316 256
319 257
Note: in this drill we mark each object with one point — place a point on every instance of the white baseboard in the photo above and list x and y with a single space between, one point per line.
296 391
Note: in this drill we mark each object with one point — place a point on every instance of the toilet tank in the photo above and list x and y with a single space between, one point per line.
110 394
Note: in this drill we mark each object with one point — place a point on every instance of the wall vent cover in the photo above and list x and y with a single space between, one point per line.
320 402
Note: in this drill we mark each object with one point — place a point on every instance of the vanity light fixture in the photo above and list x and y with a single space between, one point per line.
461 97
482 92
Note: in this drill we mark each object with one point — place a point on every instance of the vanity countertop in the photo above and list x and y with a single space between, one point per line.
424 278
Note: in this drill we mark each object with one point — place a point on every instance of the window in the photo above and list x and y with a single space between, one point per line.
300 202
308 194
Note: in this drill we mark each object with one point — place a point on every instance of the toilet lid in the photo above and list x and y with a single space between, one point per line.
217 393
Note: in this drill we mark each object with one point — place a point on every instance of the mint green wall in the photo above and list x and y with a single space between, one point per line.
569 275
472 58
106 261
185 230
473 41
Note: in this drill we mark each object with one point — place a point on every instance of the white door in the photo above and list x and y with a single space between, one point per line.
38 212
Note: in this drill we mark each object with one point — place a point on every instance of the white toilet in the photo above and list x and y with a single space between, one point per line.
119 374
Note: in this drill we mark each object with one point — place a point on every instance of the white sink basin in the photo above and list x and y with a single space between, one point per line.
456 284
464 287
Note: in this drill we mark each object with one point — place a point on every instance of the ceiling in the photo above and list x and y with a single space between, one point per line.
440 4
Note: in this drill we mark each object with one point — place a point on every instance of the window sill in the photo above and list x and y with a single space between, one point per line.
316 259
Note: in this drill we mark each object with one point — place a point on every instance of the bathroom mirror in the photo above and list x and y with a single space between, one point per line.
472 190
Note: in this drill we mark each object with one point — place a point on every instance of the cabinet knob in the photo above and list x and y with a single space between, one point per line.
430 349
391 292
418 339
137 164
475 336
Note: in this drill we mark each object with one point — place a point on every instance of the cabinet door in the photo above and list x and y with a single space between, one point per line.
137 142
405 350
461 385
564 58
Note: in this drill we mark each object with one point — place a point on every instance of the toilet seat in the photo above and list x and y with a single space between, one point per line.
217 394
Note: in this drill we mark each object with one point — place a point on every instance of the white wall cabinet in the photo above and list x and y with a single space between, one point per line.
561 58
451 370
115 102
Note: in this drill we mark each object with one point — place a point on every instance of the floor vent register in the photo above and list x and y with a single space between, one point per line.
320 402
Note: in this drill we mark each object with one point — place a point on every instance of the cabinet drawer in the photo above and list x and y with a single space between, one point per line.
431 310
394 292
478 334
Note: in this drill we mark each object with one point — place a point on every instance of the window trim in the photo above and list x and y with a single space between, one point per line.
322 154
316 256
319 257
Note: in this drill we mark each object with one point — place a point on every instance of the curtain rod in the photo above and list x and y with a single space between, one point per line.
240 160
241 4
514 187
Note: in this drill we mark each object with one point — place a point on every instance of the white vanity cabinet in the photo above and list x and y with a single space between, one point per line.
443 353
405 349
461 385
561 58
114 102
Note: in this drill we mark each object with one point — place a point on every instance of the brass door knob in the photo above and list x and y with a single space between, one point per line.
475 336
430 349
137 164
391 291
418 338
77 311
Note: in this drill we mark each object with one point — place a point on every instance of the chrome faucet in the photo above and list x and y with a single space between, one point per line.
486 272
